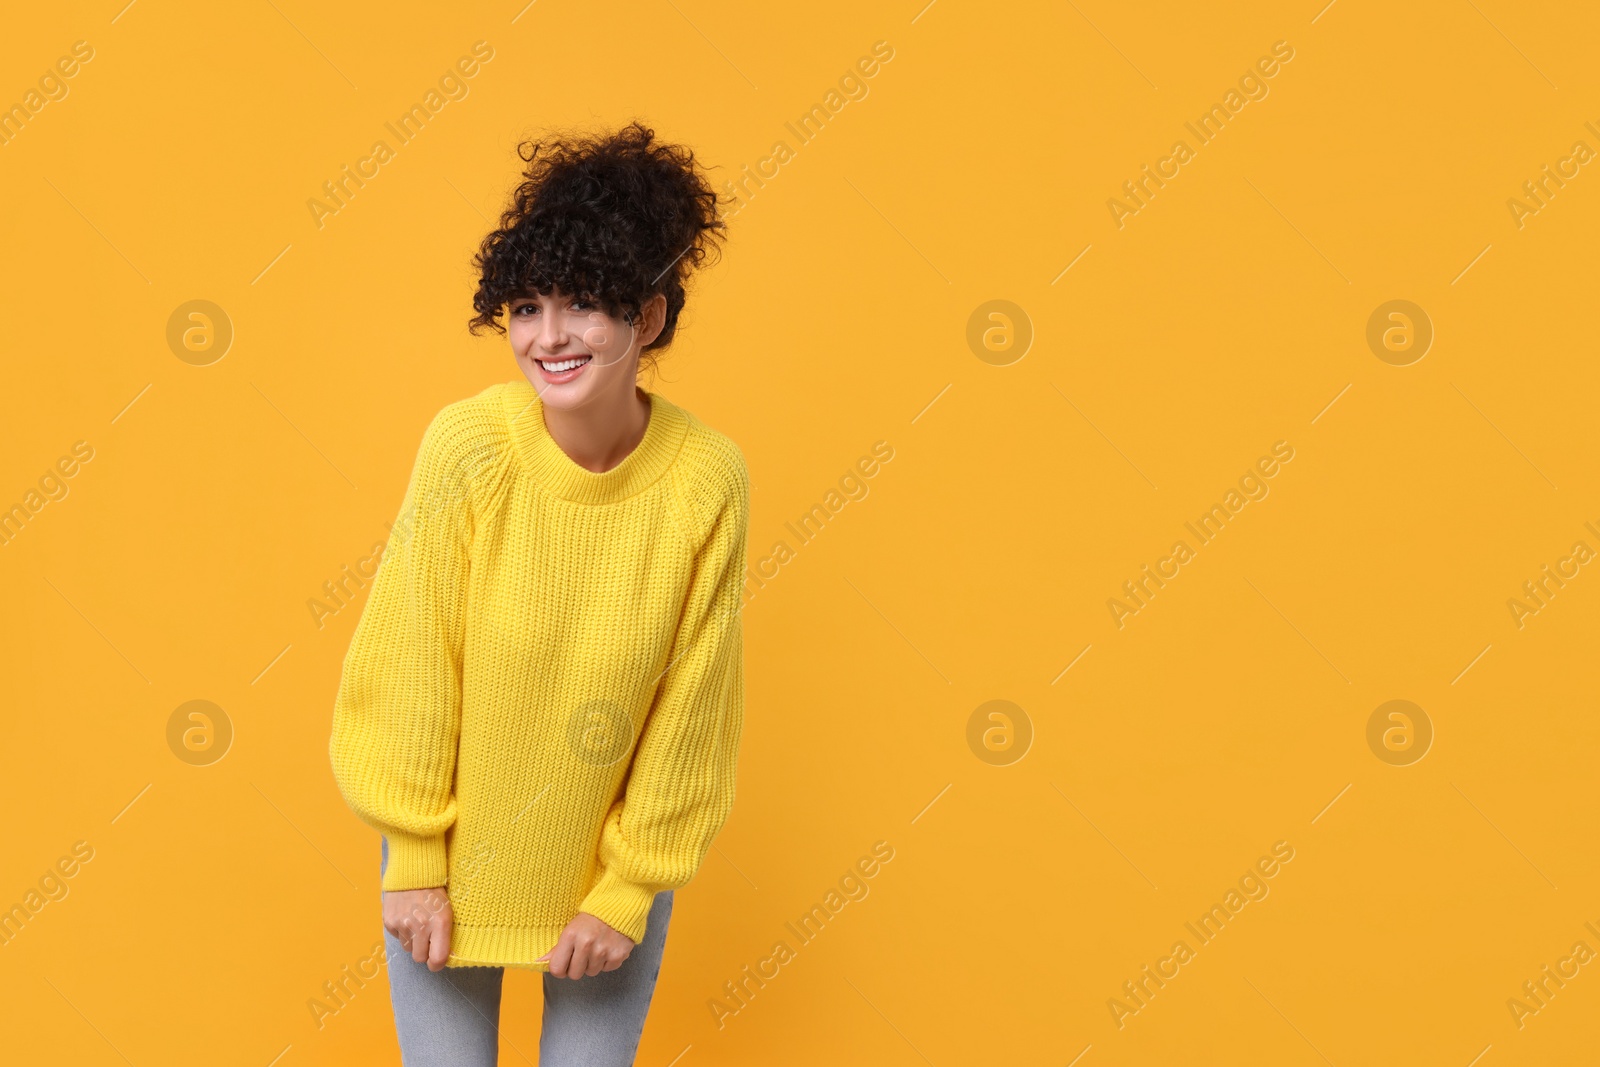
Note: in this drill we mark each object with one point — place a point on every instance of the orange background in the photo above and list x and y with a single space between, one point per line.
1230 713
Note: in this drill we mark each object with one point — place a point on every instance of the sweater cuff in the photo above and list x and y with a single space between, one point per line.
622 905
415 863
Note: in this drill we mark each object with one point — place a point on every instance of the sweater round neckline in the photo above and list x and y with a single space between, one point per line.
564 477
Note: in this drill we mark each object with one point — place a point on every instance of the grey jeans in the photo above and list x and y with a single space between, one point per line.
452 1016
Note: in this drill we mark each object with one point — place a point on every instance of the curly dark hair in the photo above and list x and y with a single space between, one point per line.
615 217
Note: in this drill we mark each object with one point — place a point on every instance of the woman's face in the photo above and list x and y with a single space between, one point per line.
572 351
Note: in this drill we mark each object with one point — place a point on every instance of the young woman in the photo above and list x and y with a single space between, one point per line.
541 705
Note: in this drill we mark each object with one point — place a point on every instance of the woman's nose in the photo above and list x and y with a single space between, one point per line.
553 330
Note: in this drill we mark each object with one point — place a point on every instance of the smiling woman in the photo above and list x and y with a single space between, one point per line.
496 671
615 220
590 262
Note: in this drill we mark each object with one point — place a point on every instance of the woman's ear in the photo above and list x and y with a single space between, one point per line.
654 315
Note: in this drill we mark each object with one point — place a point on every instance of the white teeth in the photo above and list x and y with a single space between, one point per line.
564 365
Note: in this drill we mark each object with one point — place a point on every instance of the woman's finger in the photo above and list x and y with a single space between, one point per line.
561 956
419 940
439 940
578 966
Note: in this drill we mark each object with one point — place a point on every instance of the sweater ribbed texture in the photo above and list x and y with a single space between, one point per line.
541 705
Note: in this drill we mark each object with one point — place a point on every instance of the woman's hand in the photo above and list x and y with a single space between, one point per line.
587 946
421 919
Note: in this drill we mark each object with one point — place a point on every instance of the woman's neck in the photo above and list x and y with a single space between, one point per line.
601 434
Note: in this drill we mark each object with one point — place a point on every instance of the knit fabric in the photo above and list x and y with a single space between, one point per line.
541 705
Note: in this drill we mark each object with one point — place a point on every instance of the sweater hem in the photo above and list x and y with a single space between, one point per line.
502 946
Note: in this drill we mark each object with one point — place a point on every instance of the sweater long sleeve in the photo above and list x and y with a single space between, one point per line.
681 786
397 715
541 706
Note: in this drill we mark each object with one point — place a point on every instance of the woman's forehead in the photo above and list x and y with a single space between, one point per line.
553 293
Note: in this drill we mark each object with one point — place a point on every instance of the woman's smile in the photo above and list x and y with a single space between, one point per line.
562 370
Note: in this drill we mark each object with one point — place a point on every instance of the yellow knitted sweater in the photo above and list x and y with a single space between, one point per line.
541 705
